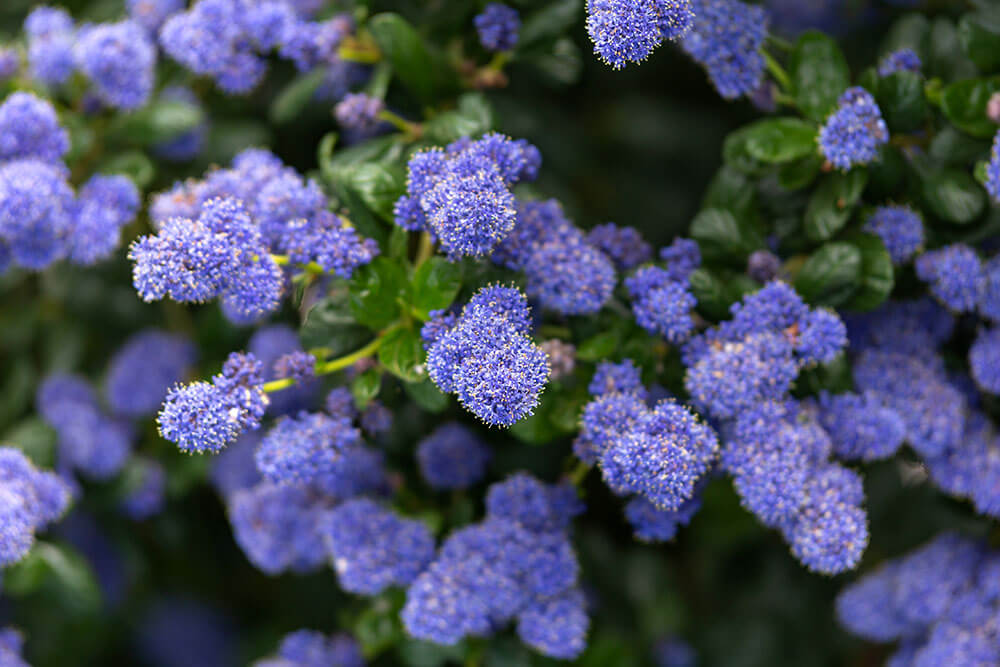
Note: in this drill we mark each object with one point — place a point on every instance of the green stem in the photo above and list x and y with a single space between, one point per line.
553 331
579 473
498 61
783 44
424 250
365 56
333 365
777 71
311 267
412 129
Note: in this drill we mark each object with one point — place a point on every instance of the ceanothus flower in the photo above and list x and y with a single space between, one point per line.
725 38
763 266
903 60
604 420
993 170
104 205
302 448
151 14
359 112
452 457
29 128
625 31
10 63
372 548
652 524
661 305
556 627
854 132
119 59
954 274
36 212
497 26
861 426
984 360
29 500
623 245
50 34
831 531
311 648
989 298
146 486
620 378
144 368
570 276
901 230
681 258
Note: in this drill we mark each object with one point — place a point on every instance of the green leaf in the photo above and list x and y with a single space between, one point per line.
911 31
547 24
379 627
375 292
956 148
886 174
964 103
732 190
946 59
379 186
426 394
600 346
721 237
831 205
402 354
953 195
736 155
537 428
160 121
133 164
780 140
365 387
330 324
980 37
473 117
801 173
710 291
901 98
435 285
405 49
60 571
831 275
295 96
877 279
819 74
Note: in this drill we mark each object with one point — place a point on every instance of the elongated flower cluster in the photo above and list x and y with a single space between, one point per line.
941 601
90 442
452 457
462 194
207 416
487 359
497 26
627 31
41 220
854 132
662 306
311 648
725 38
565 271
517 563
955 276
30 499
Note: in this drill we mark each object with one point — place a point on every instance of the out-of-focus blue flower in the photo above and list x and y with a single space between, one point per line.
984 360
497 26
725 38
623 245
903 60
151 14
854 132
300 449
861 426
310 648
359 112
681 258
50 34
989 298
29 128
209 635
104 205
901 230
763 266
36 212
145 494
119 59
144 368
661 305
188 145
955 275
452 457
651 524
993 170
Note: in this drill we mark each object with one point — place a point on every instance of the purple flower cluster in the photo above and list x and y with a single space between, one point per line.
623 245
955 276
901 230
941 600
311 648
89 441
778 457
860 426
452 457
652 524
662 305
725 38
626 31
497 26
144 368
207 416
854 132
119 60
903 60
360 113
30 499
487 359
151 14
50 34
984 360
517 563
461 194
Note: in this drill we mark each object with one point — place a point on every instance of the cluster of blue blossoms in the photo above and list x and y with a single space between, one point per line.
941 603
41 219
310 648
30 499
854 132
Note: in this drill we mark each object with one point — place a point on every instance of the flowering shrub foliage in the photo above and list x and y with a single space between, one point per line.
314 352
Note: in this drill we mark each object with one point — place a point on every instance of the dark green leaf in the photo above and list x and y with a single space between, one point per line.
330 324
722 237
598 347
911 31
886 174
561 65
711 293
819 74
877 277
956 148
426 394
801 173
473 117
375 292
831 275
402 354
405 49
953 195
830 206
60 571
435 285
736 155
133 164
946 59
901 98
365 387
378 627
295 96
158 122
730 189
980 37
780 140
547 24
964 103
379 186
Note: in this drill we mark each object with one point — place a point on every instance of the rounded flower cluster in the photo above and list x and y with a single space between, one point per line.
146 487
661 305
903 60
144 368
452 457
310 648
854 132
119 60
626 32
488 360
497 26
901 230
623 245
955 275
725 39
29 500
302 448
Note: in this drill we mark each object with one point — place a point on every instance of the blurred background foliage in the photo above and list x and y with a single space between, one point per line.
636 147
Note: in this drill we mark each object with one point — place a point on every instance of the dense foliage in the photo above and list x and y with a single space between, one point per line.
318 349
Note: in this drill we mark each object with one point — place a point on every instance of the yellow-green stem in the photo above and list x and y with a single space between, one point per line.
332 365
777 71
311 267
400 123
425 249
359 55
579 473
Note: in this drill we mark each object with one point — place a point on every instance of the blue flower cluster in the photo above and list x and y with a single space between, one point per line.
941 600
565 271
623 245
452 457
207 416
41 220
652 524
151 14
270 344
984 360
903 60
119 59
627 31
726 38
487 359
311 648
371 548
11 647
302 448
662 306
30 499
901 230
144 368
461 194
359 113
90 442
517 563
187 145
854 132
146 487
993 170
955 276
498 26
